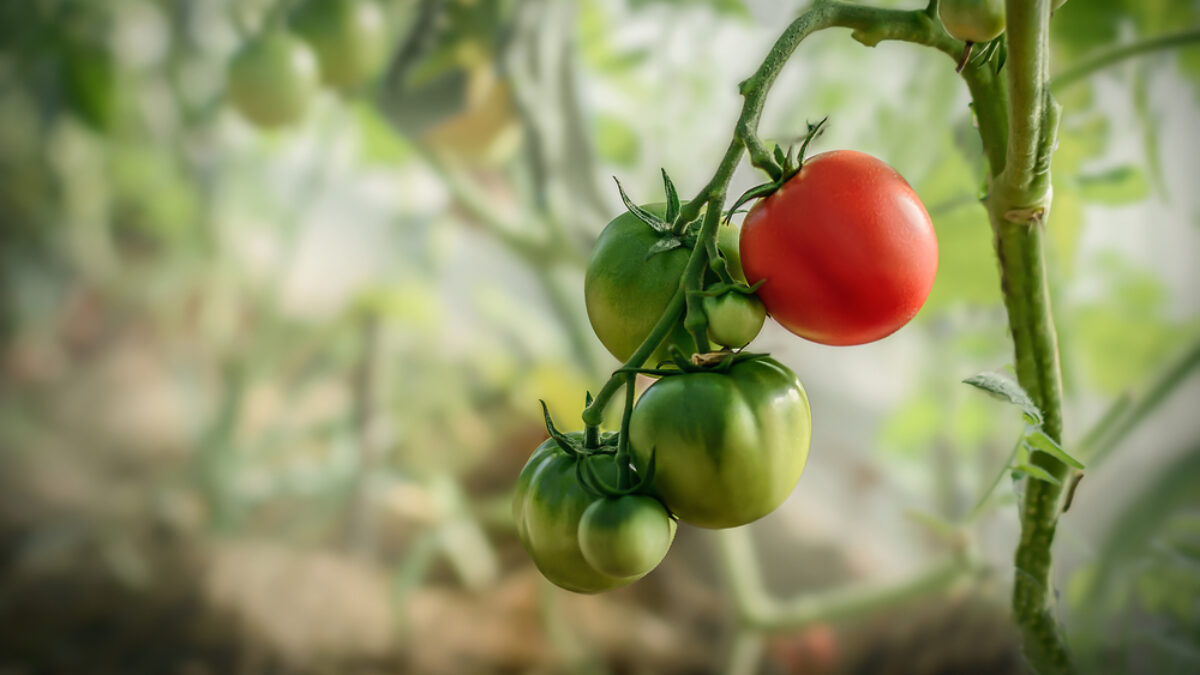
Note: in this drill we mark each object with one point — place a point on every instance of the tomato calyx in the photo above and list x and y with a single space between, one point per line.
720 361
674 232
606 446
786 166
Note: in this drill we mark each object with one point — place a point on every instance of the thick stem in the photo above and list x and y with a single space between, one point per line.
1018 205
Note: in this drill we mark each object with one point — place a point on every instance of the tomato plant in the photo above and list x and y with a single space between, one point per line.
728 447
349 37
845 249
272 79
631 278
625 536
972 20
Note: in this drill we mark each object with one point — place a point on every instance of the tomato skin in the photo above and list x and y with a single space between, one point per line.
972 20
728 447
734 319
625 292
626 536
846 248
548 506
272 79
349 37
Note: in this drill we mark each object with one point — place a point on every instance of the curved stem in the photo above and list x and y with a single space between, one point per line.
1108 57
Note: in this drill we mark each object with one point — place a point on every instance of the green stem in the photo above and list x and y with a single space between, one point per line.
759 611
1018 206
1105 58
622 457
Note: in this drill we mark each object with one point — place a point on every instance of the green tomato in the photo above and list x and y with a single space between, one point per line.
548 507
972 20
272 79
349 36
626 293
734 319
626 536
729 447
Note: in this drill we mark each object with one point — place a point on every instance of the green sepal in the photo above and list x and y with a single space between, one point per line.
567 445
672 199
663 245
657 224
593 482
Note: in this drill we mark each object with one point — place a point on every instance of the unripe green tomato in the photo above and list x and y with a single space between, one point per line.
972 20
728 447
548 505
626 536
350 38
734 319
626 292
272 79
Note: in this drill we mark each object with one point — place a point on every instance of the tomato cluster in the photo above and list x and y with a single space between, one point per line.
341 43
840 251
579 538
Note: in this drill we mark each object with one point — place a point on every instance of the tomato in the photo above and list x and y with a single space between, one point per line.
548 507
845 247
972 20
626 292
349 37
728 447
272 79
626 536
734 319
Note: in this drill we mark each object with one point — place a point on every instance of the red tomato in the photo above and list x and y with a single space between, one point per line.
846 247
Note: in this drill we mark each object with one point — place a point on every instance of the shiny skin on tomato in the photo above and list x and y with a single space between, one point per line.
847 251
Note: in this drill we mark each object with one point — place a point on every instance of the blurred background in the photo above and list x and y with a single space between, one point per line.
265 389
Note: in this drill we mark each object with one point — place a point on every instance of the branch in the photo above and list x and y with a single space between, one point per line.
757 610
1105 58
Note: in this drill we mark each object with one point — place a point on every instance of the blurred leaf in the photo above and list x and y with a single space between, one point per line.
381 144
89 82
735 8
616 140
914 425
1121 185
1124 331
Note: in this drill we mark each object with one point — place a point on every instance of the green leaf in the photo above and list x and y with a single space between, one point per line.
1041 441
381 144
1004 389
1036 472
1121 185
616 141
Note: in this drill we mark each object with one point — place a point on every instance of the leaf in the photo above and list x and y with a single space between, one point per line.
1039 440
1004 389
616 141
1121 185
1036 472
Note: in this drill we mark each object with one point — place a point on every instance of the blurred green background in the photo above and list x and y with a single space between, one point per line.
264 392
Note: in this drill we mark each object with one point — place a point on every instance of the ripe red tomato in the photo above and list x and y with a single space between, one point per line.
846 248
